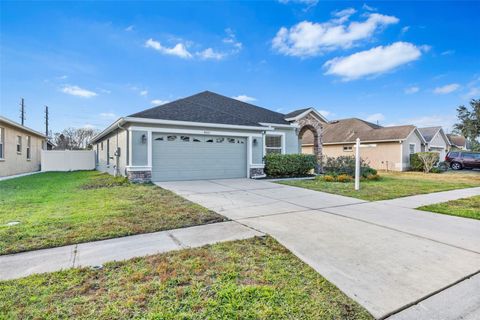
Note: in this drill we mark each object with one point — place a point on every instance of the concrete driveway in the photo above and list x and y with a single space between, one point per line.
383 256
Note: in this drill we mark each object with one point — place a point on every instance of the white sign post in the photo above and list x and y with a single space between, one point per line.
357 165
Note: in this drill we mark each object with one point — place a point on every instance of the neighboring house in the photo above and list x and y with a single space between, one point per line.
436 141
20 148
458 142
204 136
386 148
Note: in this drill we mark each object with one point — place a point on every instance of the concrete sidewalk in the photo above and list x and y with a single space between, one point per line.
385 257
431 198
99 252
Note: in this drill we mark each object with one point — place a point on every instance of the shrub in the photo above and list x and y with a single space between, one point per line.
289 165
344 178
373 177
328 178
346 165
424 161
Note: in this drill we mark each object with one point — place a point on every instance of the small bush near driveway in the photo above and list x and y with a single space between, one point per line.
289 165
345 165
248 279
60 208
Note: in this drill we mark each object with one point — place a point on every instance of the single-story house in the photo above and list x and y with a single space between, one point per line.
385 148
458 142
203 136
20 148
436 141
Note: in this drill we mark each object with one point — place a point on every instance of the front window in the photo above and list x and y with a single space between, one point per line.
273 144
19 144
412 148
347 149
2 143
28 147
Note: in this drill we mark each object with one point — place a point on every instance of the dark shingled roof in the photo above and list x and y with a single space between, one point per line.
209 107
429 133
348 130
295 113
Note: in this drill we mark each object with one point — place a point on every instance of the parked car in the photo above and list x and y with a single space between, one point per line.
458 160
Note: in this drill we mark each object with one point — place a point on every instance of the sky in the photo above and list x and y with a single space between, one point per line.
92 62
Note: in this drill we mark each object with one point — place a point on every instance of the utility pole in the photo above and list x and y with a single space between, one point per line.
46 121
22 111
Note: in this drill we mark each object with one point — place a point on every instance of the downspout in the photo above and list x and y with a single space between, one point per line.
116 171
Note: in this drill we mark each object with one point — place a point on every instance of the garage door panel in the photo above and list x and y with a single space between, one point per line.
191 157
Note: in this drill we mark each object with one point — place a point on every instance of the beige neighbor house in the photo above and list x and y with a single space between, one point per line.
386 148
436 141
20 148
458 142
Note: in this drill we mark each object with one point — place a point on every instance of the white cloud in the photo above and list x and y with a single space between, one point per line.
231 39
105 91
77 91
244 98
449 88
144 93
368 8
108 115
445 121
158 102
376 117
405 29
179 50
375 61
89 126
411 90
324 113
62 77
473 92
209 53
309 38
447 52
310 3
129 28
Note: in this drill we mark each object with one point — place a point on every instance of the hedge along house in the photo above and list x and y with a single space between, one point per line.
204 136
389 148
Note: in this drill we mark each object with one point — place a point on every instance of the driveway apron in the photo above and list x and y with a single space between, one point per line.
385 257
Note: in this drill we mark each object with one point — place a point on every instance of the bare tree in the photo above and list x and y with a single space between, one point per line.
429 160
74 138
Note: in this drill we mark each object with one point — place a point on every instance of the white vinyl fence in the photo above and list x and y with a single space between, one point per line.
67 160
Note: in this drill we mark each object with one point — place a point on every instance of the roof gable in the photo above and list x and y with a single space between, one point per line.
348 130
209 107
429 132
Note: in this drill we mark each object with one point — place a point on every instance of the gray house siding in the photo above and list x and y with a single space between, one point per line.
105 158
412 139
139 148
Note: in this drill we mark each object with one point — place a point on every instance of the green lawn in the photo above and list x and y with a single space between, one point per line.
467 208
394 184
56 209
248 279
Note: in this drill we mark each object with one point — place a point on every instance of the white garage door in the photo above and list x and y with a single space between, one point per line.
195 157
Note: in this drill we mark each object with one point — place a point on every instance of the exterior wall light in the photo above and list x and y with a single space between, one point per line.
144 138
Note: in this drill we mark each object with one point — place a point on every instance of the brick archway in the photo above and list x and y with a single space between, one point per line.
310 123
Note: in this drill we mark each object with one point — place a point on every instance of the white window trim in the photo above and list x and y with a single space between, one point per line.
414 148
2 142
282 141
19 144
347 150
28 150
